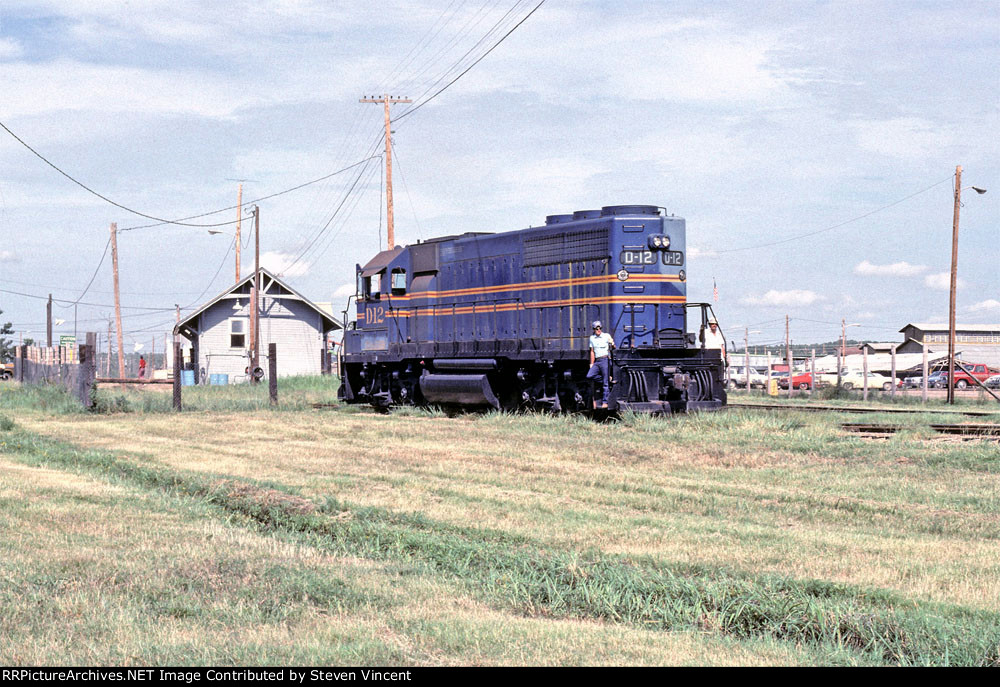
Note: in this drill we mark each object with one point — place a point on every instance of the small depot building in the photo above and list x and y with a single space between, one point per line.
219 332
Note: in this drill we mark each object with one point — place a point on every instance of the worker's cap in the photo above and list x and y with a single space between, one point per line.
597 323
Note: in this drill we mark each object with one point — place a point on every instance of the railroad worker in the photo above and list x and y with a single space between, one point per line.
714 340
600 351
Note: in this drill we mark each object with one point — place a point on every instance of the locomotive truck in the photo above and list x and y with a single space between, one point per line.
503 319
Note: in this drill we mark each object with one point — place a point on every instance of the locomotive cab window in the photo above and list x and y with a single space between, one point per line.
398 282
370 285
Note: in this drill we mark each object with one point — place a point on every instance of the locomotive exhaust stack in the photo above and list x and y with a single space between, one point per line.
502 320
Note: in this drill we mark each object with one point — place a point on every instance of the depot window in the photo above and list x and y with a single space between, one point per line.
237 332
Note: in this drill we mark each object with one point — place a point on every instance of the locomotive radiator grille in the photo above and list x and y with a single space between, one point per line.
572 246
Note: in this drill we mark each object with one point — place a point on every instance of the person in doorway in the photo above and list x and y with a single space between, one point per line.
600 359
714 340
142 367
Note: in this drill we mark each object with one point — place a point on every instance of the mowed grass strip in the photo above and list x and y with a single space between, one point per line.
96 573
99 573
766 493
538 582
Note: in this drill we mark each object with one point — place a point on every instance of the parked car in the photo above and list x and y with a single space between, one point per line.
979 372
738 377
992 382
6 370
801 380
855 379
938 379
914 382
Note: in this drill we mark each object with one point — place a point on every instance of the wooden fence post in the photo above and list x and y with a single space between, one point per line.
177 375
272 372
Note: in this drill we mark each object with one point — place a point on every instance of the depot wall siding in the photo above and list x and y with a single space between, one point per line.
290 324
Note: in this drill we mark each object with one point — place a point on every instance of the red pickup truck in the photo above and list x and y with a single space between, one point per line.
980 372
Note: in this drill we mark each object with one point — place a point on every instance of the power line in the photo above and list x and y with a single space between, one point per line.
94 276
95 193
466 70
63 300
838 225
246 202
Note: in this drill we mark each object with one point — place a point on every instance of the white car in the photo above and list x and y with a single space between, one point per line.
738 377
855 379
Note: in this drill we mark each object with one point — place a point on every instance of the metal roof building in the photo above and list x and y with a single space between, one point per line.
974 343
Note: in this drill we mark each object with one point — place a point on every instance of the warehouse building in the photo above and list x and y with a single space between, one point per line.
974 343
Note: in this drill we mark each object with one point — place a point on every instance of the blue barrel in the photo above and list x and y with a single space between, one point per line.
187 377
218 380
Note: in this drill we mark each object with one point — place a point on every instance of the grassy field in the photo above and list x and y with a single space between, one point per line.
238 533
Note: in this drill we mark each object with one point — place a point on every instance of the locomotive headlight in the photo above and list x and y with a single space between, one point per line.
658 241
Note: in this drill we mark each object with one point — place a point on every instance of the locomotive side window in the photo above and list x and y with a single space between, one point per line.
398 282
371 287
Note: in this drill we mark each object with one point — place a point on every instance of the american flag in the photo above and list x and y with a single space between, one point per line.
715 290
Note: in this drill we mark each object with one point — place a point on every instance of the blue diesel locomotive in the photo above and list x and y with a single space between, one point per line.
504 319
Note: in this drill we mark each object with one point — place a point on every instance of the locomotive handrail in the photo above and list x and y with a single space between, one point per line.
395 320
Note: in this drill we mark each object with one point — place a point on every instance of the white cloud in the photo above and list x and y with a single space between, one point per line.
31 89
941 281
283 264
345 290
793 297
696 252
896 269
989 305
8 256
9 49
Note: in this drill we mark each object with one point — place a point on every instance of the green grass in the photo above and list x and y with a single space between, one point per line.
531 579
294 393
717 538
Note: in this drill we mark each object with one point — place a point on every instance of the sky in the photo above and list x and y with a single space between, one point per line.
811 147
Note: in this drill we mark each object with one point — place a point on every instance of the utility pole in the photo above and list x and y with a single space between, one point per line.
239 218
118 307
746 350
950 382
788 354
387 100
255 299
843 349
48 321
107 362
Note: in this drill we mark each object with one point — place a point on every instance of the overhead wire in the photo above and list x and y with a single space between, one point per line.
838 225
312 242
493 47
89 283
474 20
415 49
395 154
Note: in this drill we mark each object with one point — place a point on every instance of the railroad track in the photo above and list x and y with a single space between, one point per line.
965 431
843 409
